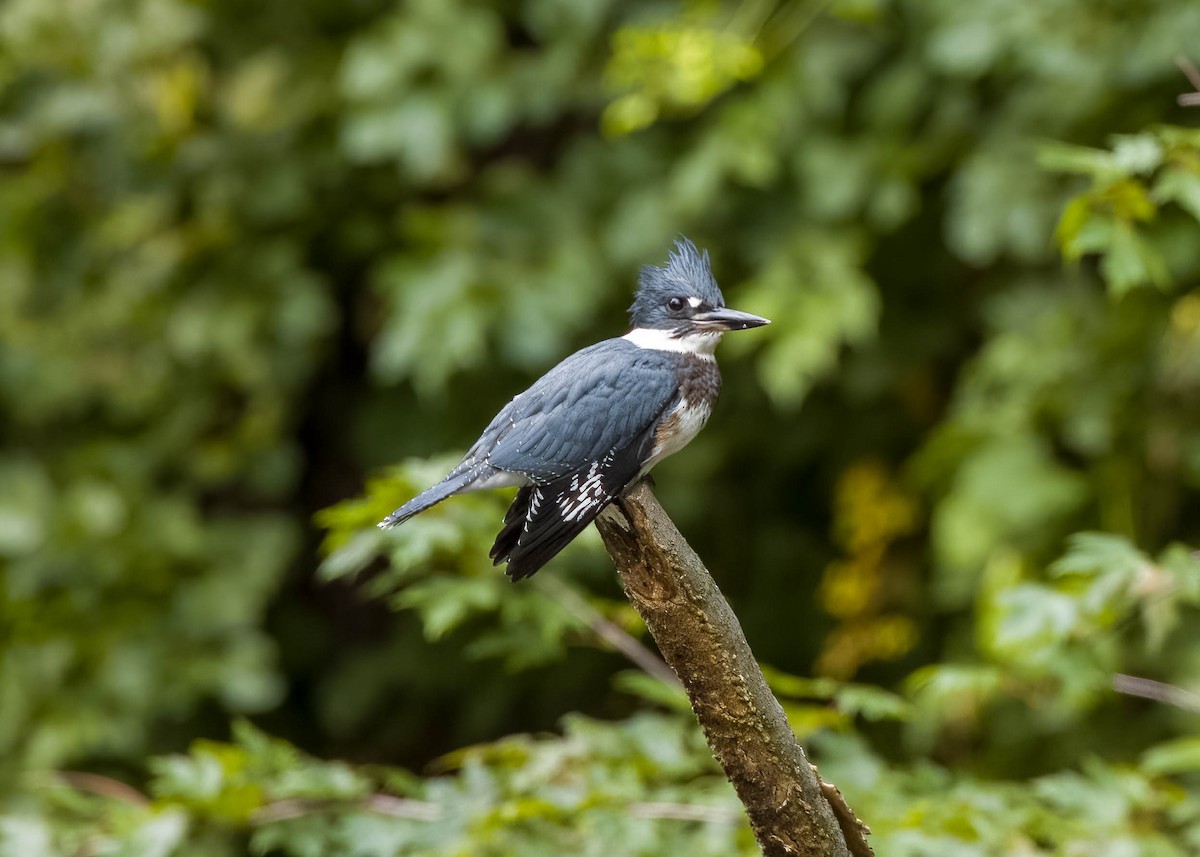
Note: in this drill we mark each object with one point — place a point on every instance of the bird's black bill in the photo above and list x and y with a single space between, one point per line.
728 319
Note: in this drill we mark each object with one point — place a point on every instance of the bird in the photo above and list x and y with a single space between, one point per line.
595 424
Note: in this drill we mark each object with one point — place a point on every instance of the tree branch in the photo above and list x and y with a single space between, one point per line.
700 637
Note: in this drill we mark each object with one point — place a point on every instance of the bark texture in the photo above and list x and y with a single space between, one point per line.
700 638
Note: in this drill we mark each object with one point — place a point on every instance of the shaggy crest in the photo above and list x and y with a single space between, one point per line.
687 274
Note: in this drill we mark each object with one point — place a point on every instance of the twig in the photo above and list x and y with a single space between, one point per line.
418 810
396 807
790 24
98 784
607 630
1189 99
403 807
700 637
1148 688
685 812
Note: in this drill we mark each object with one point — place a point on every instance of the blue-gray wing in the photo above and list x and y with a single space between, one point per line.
596 403
580 435
577 438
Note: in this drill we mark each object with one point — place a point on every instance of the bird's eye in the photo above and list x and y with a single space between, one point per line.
675 304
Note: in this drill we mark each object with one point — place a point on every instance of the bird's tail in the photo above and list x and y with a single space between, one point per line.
448 487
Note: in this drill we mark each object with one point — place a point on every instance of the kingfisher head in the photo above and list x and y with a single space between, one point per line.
681 305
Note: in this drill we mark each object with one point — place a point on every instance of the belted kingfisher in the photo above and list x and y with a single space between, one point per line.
597 422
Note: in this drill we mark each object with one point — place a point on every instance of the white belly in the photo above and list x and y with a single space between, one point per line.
688 422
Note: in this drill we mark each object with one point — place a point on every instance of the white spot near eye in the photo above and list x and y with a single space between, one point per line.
694 302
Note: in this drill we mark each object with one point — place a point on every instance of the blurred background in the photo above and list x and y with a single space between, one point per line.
266 269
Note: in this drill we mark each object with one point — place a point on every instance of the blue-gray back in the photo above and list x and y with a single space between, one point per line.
598 400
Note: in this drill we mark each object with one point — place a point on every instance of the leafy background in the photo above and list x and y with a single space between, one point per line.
254 255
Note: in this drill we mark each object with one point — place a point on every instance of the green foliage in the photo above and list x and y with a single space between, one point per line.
815 704
252 253
439 567
1117 217
1100 809
1056 644
648 782
675 65
157 329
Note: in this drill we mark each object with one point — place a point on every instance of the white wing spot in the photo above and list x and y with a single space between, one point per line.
588 494
534 502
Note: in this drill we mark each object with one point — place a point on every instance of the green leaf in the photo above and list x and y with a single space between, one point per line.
1137 153
1099 554
1179 756
871 703
1034 617
444 603
1075 217
1131 262
1181 186
25 836
653 690
160 836
1066 158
